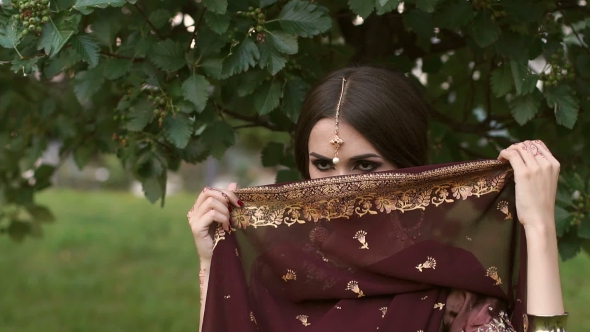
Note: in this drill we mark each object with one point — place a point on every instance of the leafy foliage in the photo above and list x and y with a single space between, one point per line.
159 83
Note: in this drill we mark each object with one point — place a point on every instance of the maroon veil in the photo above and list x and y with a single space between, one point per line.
422 249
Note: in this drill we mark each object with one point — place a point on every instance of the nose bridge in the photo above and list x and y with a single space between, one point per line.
341 170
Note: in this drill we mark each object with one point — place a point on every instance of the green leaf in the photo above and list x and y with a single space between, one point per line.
420 22
196 90
426 5
64 60
304 19
244 57
218 136
562 220
283 42
363 8
271 58
167 55
584 230
525 107
217 22
524 10
26 66
386 6
216 6
501 80
212 67
195 151
569 245
294 93
514 46
17 230
8 36
40 213
266 98
153 189
83 153
563 101
272 154
250 81
113 68
266 3
87 83
87 6
87 47
57 32
454 15
524 81
583 64
140 115
106 26
483 30
160 17
178 129
287 175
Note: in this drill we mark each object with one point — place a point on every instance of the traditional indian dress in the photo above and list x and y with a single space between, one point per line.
422 249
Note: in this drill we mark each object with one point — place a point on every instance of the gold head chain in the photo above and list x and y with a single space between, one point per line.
336 141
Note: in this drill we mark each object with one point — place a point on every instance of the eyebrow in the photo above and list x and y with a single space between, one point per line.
359 157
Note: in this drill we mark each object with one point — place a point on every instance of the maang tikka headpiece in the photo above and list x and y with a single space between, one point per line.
337 141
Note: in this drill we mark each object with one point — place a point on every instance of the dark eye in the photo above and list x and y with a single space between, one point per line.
323 165
366 166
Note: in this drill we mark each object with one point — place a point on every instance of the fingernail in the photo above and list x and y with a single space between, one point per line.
240 203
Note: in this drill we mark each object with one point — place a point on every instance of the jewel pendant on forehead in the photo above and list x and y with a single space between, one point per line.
336 143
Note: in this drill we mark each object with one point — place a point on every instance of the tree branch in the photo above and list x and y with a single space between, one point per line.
569 24
147 20
112 55
255 121
197 26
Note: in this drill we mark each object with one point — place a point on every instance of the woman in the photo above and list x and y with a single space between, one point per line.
375 120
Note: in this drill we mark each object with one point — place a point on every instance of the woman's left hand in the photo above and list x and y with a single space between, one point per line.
536 172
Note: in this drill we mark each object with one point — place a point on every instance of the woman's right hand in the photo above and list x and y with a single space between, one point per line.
212 205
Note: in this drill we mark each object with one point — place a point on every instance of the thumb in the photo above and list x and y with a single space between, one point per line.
232 186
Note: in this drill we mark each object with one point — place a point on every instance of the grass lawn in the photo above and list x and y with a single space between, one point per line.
114 262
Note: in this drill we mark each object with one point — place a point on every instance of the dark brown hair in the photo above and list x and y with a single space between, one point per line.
384 106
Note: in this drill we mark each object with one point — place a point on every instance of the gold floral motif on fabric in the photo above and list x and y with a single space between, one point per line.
492 272
363 194
361 236
383 311
290 275
498 324
439 306
354 287
218 236
303 320
429 264
503 206
252 318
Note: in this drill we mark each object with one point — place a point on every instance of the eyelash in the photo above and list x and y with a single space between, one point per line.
371 165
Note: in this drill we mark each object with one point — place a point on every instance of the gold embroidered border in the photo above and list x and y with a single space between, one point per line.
372 193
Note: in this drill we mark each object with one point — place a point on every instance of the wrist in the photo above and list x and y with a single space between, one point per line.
205 263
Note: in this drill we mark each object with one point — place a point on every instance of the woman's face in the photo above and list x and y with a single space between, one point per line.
356 155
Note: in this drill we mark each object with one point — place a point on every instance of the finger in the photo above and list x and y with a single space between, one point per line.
220 194
211 203
544 147
512 156
548 157
235 200
213 216
526 150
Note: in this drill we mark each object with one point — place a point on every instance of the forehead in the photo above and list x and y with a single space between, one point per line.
323 131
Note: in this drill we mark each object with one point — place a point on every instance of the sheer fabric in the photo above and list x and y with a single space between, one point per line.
433 248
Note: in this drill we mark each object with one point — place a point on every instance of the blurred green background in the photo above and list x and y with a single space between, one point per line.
114 262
